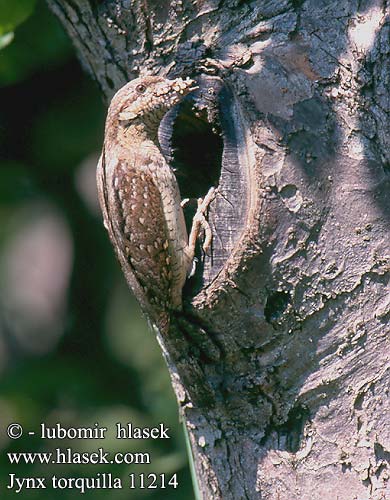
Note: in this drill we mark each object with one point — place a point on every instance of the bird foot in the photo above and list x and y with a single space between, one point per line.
200 221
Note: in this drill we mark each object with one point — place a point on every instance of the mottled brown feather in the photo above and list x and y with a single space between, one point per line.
144 232
140 197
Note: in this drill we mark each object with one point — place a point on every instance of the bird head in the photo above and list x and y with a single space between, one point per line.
147 99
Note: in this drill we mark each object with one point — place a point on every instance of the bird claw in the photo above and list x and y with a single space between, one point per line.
200 221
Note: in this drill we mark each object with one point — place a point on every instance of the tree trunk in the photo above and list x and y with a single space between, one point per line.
292 121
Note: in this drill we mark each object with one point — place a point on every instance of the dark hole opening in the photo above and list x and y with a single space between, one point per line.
193 147
276 305
292 429
197 148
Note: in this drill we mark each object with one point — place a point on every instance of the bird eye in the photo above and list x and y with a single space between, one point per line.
140 88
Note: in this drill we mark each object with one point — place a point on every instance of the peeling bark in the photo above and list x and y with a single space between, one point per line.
296 295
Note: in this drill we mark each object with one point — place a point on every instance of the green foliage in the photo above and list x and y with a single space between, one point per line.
13 13
6 39
38 42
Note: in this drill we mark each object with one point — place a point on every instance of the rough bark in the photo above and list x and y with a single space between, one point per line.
296 296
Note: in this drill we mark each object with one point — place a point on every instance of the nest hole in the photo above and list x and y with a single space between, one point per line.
197 148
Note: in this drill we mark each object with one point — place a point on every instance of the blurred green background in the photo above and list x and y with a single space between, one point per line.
74 347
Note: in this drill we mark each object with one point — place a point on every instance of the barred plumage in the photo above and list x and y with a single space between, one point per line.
140 198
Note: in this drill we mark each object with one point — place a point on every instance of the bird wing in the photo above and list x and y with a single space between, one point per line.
134 217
